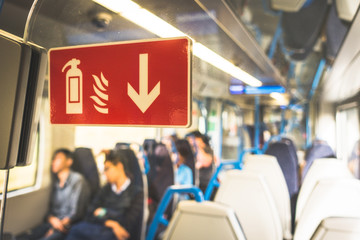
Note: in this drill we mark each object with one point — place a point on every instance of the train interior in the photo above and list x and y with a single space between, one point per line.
274 87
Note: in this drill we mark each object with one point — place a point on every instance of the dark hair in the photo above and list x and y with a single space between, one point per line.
149 146
68 154
195 133
206 140
123 156
122 145
174 137
184 149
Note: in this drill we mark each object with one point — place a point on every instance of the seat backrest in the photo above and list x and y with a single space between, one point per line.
319 149
285 153
291 146
84 163
330 197
268 167
248 194
205 220
321 169
159 177
161 174
335 228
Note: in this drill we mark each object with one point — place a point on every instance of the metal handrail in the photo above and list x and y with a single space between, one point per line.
170 191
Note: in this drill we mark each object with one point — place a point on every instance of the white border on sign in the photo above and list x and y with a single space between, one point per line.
189 76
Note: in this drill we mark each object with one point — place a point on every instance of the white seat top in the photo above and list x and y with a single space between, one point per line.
204 221
335 228
320 169
268 166
330 198
248 194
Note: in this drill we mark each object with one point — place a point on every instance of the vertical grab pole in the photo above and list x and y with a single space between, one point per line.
257 124
275 39
241 143
308 127
207 106
1 4
203 112
314 86
3 202
317 78
282 126
221 130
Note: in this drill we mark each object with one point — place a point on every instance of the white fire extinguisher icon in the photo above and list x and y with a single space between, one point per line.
74 87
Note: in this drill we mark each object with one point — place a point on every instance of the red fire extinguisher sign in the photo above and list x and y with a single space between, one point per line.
138 83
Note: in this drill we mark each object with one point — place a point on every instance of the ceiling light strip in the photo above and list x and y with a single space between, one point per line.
147 20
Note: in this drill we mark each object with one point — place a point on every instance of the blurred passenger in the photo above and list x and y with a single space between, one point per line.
354 160
69 198
169 142
184 174
184 166
205 161
113 213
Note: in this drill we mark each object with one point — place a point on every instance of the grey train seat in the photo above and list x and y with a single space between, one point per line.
285 153
159 177
84 163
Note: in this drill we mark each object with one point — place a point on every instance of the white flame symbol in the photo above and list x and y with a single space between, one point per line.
99 89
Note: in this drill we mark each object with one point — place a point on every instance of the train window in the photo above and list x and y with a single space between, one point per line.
231 140
347 120
272 119
93 137
16 177
199 113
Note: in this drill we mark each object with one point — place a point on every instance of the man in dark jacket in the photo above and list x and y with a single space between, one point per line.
114 211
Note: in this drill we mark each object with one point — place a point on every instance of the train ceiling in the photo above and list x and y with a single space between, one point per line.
239 30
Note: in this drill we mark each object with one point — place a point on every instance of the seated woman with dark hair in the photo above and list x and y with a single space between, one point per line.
114 211
185 163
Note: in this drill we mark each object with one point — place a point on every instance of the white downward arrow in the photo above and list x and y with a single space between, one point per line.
143 99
